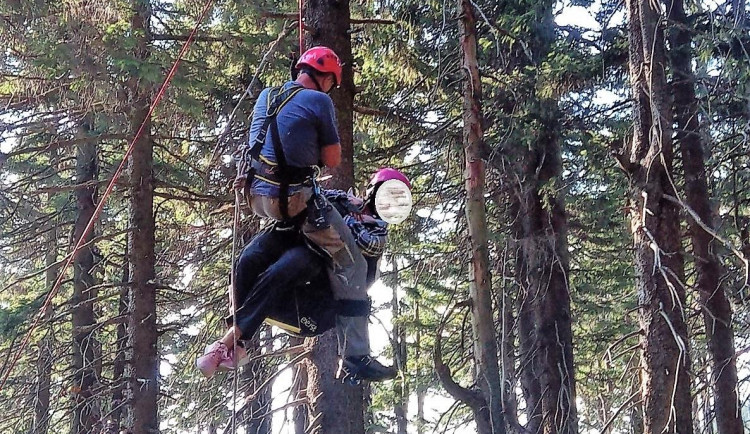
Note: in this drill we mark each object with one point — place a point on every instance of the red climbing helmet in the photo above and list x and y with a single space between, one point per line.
386 174
321 59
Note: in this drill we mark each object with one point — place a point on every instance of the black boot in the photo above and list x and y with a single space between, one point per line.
354 369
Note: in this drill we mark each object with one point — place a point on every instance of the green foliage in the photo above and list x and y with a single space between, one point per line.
67 66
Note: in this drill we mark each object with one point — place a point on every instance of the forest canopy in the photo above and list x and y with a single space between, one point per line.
576 259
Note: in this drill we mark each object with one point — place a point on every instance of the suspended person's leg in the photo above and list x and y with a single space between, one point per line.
348 283
354 343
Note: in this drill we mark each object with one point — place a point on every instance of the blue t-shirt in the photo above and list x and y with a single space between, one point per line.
306 123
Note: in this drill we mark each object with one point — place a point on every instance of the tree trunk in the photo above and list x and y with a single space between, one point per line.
339 409
46 346
480 286
86 412
717 312
299 389
144 386
421 389
659 270
540 228
334 408
532 392
545 322
118 369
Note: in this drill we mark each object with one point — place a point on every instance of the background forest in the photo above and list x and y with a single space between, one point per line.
577 258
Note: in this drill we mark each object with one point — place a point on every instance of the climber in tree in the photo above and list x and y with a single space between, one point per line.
281 167
278 291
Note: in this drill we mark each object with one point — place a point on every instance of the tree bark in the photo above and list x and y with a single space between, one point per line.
717 312
480 285
46 355
665 360
539 227
532 391
545 320
118 370
334 409
86 412
144 384
421 388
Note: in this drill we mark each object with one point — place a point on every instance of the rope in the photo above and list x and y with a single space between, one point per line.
235 381
300 6
100 206
235 224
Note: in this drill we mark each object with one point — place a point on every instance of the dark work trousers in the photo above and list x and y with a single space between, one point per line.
273 262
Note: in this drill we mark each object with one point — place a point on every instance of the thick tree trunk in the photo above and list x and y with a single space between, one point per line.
334 409
717 312
532 391
144 385
86 412
46 346
118 369
545 326
480 286
540 225
655 220
542 263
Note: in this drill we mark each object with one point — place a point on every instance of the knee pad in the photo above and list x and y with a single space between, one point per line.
353 307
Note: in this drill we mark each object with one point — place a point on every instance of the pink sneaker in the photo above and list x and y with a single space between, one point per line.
215 354
236 356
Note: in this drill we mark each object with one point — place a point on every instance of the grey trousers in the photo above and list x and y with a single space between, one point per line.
349 274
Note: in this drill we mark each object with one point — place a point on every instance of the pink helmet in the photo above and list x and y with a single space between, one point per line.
386 174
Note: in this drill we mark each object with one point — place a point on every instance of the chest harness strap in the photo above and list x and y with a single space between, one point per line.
278 173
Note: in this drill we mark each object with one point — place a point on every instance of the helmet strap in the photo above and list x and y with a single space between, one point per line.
317 83
311 73
370 196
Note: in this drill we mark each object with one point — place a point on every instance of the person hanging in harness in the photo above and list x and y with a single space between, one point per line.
294 293
294 130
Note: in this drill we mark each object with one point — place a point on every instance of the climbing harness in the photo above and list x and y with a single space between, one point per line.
277 173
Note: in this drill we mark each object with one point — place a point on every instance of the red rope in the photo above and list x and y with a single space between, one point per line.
300 6
100 206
